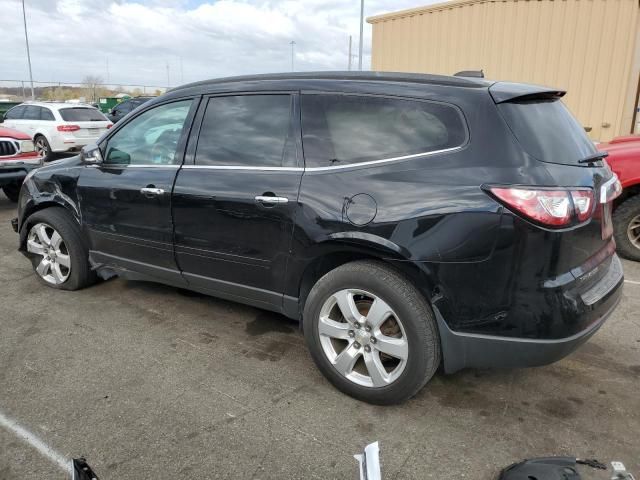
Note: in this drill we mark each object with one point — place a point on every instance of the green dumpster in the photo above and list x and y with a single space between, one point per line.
107 103
5 106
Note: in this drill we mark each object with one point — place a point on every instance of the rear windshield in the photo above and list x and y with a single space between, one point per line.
547 130
81 115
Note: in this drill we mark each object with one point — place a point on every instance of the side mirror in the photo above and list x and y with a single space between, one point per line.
91 155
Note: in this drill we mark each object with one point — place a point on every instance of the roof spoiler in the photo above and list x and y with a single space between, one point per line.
470 73
507 92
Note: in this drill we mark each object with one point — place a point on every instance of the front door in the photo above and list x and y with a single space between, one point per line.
126 200
234 203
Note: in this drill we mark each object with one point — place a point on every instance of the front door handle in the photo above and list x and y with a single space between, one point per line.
151 191
268 199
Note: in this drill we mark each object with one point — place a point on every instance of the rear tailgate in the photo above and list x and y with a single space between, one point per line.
548 132
91 122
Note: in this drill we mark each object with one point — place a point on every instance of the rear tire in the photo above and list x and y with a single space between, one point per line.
394 356
12 191
626 224
58 253
42 147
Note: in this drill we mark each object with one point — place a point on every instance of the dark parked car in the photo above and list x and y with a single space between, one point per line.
408 221
122 109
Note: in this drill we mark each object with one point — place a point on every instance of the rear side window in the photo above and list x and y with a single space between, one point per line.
45 114
81 115
547 130
245 130
15 113
343 129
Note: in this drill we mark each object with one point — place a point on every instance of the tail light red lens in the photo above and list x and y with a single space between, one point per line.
583 203
68 128
109 126
551 208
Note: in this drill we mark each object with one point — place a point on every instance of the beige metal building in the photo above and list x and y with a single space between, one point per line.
587 47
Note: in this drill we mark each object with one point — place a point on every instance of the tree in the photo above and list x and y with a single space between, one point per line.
92 84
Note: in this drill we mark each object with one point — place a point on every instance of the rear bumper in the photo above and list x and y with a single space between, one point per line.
64 144
461 350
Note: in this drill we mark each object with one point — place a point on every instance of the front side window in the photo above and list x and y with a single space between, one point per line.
246 130
15 113
346 129
150 138
79 114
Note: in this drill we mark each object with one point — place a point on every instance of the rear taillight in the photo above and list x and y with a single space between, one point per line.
583 204
68 128
550 207
109 126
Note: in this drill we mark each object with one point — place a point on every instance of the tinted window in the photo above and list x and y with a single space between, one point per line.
80 114
15 113
123 108
342 129
45 114
150 138
31 112
547 130
248 130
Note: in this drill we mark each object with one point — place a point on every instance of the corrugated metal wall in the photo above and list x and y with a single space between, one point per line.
587 47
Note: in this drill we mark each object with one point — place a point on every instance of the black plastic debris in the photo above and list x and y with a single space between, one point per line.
549 468
82 471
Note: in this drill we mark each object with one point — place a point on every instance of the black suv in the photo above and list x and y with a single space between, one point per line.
122 109
407 221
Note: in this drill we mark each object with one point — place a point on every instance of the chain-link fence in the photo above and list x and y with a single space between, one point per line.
20 90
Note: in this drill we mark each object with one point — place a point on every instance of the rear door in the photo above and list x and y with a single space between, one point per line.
126 200
234 203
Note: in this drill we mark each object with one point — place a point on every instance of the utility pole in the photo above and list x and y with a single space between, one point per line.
26 38
350 42
361 34
293 46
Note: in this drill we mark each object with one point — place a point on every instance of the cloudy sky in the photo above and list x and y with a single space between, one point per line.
71 39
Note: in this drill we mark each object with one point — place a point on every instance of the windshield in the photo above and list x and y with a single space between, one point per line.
547 130
80 114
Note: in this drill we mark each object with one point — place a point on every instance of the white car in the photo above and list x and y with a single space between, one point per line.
58 127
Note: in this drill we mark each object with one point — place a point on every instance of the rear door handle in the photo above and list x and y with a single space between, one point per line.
271 200
151 191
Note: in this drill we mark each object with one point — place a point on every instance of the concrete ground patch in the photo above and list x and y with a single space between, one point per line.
149 381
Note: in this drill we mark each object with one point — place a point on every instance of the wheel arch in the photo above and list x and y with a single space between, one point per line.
34 207
339 251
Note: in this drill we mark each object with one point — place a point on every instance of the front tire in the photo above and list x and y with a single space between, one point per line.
626 225
58 254
371 333
12 191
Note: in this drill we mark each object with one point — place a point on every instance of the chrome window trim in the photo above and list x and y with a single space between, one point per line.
328 168
115 165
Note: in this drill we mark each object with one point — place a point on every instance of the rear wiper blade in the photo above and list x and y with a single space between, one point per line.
594 157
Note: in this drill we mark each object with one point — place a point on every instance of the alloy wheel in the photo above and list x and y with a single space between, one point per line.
633 231
54 265
363 338
41 147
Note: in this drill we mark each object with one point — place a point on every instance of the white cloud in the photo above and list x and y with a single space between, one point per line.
70 39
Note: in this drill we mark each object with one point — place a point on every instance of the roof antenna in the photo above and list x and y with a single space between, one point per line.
470 73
